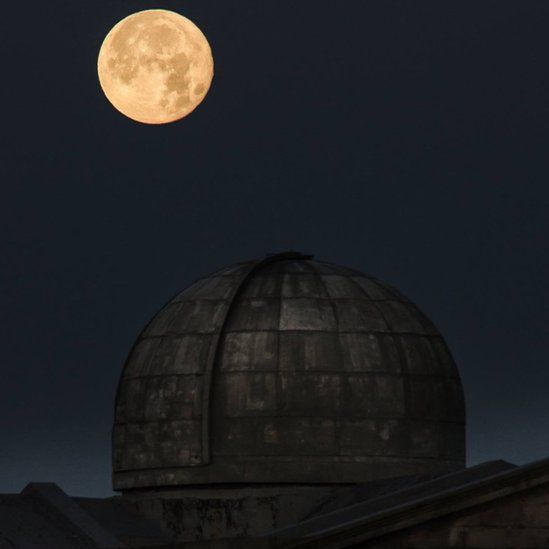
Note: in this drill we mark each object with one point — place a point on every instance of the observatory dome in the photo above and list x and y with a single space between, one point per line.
287 370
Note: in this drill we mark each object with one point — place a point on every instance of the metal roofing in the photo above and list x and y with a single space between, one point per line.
413 505
287 369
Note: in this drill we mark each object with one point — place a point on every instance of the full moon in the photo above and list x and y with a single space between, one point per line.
155 66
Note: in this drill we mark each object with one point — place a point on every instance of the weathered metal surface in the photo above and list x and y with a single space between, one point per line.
491 505
287 370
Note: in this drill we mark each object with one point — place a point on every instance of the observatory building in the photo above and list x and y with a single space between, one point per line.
286 370
290 402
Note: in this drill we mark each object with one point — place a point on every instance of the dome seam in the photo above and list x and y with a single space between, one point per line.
337 433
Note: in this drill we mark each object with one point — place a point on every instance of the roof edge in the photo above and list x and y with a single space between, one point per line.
423 509
81 520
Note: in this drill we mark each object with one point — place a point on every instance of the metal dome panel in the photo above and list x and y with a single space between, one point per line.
286 370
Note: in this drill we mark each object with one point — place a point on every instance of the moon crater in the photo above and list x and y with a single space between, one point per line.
155 66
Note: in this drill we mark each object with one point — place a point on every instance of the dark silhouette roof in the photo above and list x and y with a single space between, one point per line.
410 494
417 504
287 369
42 515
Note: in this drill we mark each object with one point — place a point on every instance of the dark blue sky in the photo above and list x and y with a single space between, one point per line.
405 139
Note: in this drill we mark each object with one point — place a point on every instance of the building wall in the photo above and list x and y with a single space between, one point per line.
208 514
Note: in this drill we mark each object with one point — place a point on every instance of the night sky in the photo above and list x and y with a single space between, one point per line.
404 139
